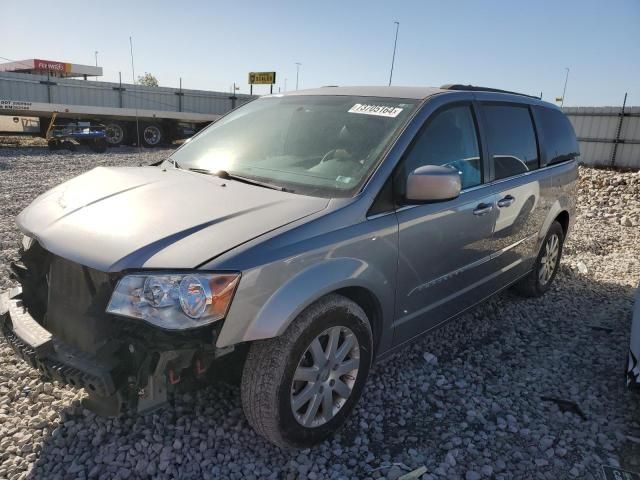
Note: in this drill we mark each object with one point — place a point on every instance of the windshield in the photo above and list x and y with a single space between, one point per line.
314 145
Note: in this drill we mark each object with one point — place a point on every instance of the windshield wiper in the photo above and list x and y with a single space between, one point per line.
232 176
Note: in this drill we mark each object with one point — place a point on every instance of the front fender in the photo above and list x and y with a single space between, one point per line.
300 291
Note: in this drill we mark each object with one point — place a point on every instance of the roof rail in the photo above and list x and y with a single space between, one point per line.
474 88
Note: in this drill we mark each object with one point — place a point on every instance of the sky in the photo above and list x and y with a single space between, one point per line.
513 45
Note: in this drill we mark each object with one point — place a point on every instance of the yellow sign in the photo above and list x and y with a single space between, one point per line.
262 78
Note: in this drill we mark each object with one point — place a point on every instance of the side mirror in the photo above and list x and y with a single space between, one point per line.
432 183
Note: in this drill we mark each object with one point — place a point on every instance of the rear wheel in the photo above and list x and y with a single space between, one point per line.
546 265
115 134
299 388
151 135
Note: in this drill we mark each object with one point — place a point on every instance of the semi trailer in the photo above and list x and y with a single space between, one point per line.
131 114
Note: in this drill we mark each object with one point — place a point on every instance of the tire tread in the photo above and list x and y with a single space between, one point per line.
266 364
529 286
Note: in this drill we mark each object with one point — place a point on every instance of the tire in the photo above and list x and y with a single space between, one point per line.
268 388
99 145
537 282
151 135
116 134
69 145
53 145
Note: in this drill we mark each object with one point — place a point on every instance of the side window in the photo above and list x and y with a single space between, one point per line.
449 139
560 142
511 139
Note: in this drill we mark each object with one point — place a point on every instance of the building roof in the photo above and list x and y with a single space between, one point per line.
54 67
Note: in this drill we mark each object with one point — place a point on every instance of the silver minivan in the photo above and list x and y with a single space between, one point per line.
299 238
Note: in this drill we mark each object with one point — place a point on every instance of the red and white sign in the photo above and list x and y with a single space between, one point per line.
51 66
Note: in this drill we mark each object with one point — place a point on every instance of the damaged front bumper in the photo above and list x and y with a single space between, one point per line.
44 352
123 365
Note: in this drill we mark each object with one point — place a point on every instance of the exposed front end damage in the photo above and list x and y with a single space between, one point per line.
56 322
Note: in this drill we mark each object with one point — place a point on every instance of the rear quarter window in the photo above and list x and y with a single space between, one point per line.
560 141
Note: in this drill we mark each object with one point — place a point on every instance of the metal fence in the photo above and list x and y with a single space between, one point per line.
609 136
44 89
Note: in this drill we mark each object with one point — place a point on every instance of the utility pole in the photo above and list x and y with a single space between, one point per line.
133 77
395 44
564 90
96 55
233 96
297 73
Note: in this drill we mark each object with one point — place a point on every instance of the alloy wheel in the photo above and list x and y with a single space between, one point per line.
549 260
325 376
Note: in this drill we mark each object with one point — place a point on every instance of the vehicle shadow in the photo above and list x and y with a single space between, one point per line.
502 373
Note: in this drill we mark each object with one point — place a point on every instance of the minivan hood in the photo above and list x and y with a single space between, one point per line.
112 219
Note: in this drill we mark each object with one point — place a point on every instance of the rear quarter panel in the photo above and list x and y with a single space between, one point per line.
561 196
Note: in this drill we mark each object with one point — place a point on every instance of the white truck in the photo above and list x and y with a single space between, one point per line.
132 114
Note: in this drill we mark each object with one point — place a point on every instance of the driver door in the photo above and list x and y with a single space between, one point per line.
445 247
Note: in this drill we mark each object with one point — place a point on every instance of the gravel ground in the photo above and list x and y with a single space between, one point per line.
470 401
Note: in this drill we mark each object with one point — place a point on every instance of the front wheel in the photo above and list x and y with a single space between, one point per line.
299 388
546 265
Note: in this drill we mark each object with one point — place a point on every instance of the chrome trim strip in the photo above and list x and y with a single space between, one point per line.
383 214
513 245
469 266
446 276
442 301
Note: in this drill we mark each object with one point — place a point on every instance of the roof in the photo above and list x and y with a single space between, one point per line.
418 93
370 91
57 68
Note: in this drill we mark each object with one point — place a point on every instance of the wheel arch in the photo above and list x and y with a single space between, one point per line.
560 211
370 304
349 277
563 220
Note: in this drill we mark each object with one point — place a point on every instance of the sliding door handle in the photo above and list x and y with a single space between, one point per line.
506 201
483 209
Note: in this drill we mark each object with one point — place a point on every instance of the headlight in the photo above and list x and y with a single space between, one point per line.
174 301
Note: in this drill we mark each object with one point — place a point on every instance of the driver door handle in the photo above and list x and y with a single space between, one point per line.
506 201
483 209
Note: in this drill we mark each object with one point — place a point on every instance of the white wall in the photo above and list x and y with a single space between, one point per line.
596 129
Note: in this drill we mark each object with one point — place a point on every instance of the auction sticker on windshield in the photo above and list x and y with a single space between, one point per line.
379 110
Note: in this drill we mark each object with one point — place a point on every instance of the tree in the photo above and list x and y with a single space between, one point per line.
147 80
